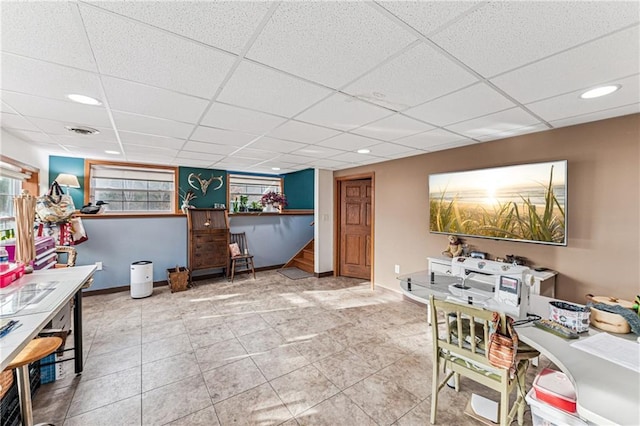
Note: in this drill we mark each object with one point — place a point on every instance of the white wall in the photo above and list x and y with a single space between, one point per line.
323 217
20 150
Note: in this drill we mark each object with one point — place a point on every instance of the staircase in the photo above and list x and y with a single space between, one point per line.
304 259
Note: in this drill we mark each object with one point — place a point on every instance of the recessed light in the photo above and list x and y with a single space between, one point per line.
364 151
83 99
275 168
600 91
112 152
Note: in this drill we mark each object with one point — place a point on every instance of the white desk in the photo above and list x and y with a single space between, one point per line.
62 285
607 393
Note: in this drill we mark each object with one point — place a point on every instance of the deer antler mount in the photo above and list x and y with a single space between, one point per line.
203 184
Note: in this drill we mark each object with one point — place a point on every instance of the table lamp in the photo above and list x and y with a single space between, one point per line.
70 181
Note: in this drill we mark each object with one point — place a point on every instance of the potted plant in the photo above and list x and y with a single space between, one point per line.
255 206
272 201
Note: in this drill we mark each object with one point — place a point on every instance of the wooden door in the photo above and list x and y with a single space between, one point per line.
355 228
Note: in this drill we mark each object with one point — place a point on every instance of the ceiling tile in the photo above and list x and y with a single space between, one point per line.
235 118
200 156
57 128
294 159
146 100
266 168
414 77
150 158
77 145
256 154
35 106
136 52
34 77
209 148
276 145
302 132
29 136
599 115
317 151
14 121
388 149
255 86
428 139
151 125
598 61
498 122
149 140
393 127
236 163
328 42
514 132
190 162
354 157
523 32
161 152
328 164
225 137
427 16
348 142
410 153
45 30
343 112
465 104
208 22
571 104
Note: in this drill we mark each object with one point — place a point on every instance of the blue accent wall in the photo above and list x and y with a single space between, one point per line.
72 166
212 196
299 189
118 242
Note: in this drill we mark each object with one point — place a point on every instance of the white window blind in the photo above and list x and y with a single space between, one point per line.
129 189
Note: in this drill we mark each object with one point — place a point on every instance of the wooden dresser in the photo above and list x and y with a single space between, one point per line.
208 245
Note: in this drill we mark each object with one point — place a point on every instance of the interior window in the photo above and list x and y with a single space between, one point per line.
14 176
249 188
133 189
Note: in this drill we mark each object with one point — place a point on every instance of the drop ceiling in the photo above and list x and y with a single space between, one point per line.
250 86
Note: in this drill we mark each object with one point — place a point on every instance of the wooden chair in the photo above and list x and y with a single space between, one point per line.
34 351
241 257
466 356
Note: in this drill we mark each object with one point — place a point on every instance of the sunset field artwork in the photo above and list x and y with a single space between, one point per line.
523 202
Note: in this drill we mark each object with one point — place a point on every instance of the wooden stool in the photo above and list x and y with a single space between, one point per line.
34 351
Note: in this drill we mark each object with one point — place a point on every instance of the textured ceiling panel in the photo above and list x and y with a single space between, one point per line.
302 132
428 16
416 76
234 118
343 113
30 76
393 127
45 30
348 142
504 35
497 123
468 103
150 56
224 137
276 145
254 86
146 100
151 125
204 21
582 67
571 104
329 42
429 139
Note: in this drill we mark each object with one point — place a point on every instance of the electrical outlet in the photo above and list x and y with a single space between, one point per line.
397 269
98 266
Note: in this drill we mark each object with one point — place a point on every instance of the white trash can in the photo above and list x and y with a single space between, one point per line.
141 279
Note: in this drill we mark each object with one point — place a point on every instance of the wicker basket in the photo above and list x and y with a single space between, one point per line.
178 278
6 380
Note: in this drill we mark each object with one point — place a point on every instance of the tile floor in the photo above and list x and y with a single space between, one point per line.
326 351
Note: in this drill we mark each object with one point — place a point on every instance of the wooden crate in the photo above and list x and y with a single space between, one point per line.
178 278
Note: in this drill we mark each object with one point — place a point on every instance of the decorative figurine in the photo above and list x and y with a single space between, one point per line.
455 247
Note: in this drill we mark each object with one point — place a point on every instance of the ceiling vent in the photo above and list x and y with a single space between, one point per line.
81 130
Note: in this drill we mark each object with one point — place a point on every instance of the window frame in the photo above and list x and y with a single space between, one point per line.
30 182
265 176
88 164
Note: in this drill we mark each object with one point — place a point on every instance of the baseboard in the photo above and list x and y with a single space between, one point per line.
323 274
165 283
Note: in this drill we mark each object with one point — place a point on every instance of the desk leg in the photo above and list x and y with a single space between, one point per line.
77 331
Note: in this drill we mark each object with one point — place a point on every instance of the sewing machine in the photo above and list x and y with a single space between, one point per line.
498 286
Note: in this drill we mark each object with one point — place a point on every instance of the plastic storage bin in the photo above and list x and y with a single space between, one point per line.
543 414
141 279
555 388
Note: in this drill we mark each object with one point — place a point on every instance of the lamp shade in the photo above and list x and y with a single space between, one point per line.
70 181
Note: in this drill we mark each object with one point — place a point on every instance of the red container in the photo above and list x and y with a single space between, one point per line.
555 388
15 271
